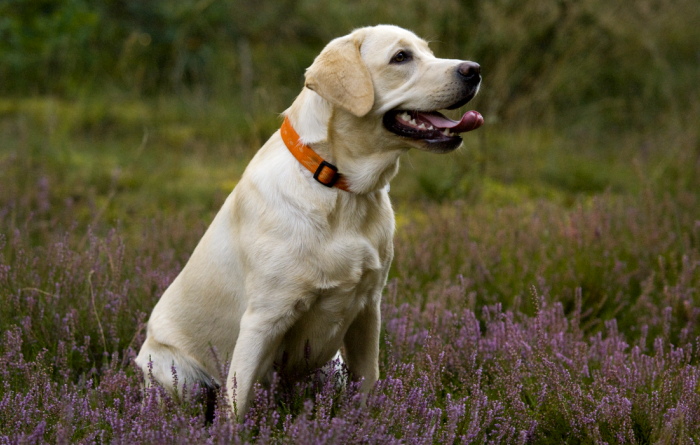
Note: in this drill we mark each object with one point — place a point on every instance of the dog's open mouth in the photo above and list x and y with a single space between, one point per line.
434 131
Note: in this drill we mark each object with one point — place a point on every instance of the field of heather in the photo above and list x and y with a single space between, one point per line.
546 281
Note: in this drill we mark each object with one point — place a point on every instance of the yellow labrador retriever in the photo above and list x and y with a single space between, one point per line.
292 268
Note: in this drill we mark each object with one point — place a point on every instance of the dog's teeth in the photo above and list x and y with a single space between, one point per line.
413 122
406 117
431 128
421 127
446 132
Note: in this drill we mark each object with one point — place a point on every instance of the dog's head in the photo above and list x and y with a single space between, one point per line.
388 71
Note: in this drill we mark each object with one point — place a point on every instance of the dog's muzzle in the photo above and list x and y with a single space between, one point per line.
431 130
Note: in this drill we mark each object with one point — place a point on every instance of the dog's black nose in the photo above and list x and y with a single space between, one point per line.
470 71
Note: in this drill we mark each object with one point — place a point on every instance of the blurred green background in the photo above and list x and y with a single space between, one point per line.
138 107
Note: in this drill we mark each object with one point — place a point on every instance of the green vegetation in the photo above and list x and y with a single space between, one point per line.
558 250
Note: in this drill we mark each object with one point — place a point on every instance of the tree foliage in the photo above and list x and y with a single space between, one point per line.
607 61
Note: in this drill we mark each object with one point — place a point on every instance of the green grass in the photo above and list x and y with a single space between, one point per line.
520 193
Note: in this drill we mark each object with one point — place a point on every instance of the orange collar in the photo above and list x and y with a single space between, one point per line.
324 172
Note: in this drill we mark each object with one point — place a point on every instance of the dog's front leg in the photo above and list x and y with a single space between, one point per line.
259 338
362 345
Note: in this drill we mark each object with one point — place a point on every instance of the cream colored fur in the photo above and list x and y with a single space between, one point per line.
291 271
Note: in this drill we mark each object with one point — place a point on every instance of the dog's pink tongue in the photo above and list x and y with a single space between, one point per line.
470 121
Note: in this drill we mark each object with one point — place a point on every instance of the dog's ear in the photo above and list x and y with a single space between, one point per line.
340 76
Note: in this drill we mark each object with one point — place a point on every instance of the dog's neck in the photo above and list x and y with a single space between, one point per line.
338 137
310 114
324 172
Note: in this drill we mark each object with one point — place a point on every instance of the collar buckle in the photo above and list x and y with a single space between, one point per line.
324 172
327 174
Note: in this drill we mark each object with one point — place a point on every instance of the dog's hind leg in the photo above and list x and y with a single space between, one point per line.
174 370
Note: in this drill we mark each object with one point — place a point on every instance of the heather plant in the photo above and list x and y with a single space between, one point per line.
492 333
614 256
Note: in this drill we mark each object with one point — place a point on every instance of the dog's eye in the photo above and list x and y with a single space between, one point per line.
401 57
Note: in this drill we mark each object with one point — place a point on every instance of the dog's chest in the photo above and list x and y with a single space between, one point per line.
318 333
353 279
350 275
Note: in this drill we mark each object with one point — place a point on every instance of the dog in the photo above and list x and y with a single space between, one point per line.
292 268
